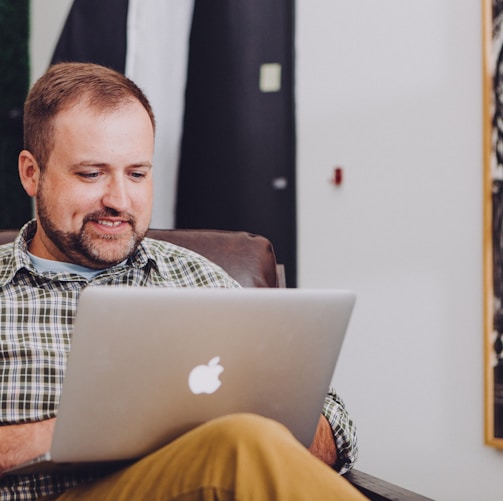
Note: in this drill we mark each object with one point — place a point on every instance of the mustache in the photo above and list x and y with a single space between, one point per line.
103 213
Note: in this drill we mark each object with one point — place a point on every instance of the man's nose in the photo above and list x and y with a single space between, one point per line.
116 195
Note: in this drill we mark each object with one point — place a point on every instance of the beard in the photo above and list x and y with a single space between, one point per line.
86 247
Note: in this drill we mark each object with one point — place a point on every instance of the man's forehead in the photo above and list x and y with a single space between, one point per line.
88 103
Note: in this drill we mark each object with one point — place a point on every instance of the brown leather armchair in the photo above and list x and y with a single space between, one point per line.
250 260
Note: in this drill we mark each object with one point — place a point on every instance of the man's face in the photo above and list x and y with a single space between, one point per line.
94 196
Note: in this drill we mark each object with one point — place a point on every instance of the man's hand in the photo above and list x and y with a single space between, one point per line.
323 446
21 442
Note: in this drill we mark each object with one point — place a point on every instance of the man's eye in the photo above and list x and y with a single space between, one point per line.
138 175
89 175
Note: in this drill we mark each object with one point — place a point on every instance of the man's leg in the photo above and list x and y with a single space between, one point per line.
241 456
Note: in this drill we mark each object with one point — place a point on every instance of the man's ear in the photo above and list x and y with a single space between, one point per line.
29 172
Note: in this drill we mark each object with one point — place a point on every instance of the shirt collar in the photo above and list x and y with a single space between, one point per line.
19 258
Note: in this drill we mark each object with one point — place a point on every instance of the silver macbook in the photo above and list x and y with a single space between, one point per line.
149 364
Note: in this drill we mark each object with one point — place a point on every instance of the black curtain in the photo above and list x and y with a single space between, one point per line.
15 205
237 168
95 31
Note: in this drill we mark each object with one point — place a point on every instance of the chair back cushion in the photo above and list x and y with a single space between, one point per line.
246 257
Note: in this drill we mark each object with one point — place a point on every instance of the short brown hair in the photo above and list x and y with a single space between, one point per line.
63 85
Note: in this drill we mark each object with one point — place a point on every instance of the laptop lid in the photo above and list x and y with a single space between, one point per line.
149 364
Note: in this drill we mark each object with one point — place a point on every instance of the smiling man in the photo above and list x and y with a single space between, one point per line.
100 167
89 140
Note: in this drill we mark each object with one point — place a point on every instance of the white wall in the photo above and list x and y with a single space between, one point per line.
392 91
46 20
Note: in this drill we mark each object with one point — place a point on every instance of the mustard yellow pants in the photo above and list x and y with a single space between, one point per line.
237 457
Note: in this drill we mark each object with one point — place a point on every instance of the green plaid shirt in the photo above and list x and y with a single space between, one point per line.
36 322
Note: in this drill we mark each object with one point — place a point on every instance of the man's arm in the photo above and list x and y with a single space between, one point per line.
343 431
21 442
323 446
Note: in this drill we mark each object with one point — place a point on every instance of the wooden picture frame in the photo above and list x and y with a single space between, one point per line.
492 29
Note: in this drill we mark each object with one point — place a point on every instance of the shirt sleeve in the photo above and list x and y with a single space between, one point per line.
344 431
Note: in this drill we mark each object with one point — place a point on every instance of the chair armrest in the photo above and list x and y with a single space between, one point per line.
7 236
379 490
280 272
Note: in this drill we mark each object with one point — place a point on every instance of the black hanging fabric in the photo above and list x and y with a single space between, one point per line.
15 205
95 31
237 168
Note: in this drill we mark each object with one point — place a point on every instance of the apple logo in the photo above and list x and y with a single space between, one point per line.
204 378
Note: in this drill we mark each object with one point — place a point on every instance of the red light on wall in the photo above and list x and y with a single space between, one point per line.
337 176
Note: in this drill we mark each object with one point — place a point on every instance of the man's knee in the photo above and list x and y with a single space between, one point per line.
247 424
246 429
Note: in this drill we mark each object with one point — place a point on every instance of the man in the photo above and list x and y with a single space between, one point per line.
89 139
